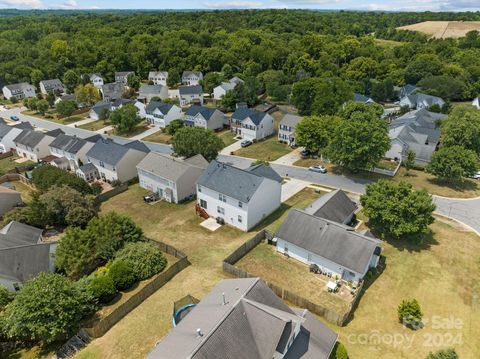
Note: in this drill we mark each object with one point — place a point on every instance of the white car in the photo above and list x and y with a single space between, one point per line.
318 169
476 175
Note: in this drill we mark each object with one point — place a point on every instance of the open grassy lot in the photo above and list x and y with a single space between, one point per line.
267 263
7 164
142 127
178 225
25 191
95 125
266 150
442 274
227 137
159 137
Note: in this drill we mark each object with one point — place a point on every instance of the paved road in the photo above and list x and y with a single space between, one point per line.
158 147
466 211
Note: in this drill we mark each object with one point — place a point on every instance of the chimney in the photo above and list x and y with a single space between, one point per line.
223 299
199 332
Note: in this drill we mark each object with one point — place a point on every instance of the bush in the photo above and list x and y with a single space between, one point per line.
5 297
443 354
122 274
102 288
145 258
45 177
409 313
339 352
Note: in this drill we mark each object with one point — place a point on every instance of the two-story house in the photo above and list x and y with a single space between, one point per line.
96 80
112 91
8 135
52 86
122 76
420 100
18 91
191 78
33 145
241 198
72 148
117 162
174 179
147 92
204 117
190 95
224 87
251 124
161 114
158 77
286 129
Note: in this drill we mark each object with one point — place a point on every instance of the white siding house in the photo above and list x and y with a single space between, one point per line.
7 137
147 92
161 114
19 91
224 87
251 124
158 77
51 86
240 198
204 117
476 103
96 80
192 78
122 76
286 129
33 145
72 148
190 95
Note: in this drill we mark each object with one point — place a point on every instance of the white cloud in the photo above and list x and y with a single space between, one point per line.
234 4
30 4
422 5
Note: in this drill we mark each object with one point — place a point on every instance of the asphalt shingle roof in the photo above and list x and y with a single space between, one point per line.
163 107
334 206
206 112
169 167
29 138
290 120
242 113
191 90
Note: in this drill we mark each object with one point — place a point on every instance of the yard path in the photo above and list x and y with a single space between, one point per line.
232 148
290 158
82 122
146 133
104 129
291 187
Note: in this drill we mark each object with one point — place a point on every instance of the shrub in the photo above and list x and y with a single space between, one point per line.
5 297
122 274
409 313
339 352
102 288
145 258
443 354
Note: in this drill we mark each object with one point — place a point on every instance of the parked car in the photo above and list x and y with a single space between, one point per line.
153 197
476 175
318 169
246 143
305 154
14 118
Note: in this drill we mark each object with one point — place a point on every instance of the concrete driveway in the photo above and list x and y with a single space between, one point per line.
232 148
291 187
290 158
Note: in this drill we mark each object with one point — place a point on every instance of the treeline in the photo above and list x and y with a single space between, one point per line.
283 46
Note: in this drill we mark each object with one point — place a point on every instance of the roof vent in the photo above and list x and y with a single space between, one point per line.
199 332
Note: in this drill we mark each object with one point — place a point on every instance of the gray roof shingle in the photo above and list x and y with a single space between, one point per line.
242 113
111 152
334 206
29 138
163 107
170 167
191 90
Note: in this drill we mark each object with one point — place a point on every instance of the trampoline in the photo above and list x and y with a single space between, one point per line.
182 307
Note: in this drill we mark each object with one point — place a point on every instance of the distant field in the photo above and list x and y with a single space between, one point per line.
444 29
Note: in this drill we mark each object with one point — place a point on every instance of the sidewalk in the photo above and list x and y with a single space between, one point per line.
82 122
291 187
290 158
105 129
146 133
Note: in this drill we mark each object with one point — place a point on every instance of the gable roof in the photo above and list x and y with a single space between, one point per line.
361 98
111 152
425 99
87 168
94 138
242 113
29 138
190 73
338 243
137 145
52 84
22 86
54 133
95 76
265 171
4 129
252 323
334 206
190 90
290 120
158 73
232 181
206 112
163 107
123 73
113 88
16 234
25 125
151 89
169 167
67 143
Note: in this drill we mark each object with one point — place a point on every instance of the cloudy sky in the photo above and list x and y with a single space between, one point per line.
389 5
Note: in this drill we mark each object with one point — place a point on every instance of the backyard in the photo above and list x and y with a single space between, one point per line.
266 150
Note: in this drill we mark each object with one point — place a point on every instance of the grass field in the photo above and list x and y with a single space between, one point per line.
51 115
227 137
142 127
444 29
267 150
389 43
7 164
159 137
95 125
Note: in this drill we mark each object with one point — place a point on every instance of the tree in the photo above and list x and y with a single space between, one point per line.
190 141
462 128
66 108
443 354
45 177
446 87
71 80
383 91
5 297
453 164
174 126
122 274
352 111
409 161
422 66
50 97
358 144
104 114
315 132
102 287
395 210
133 81
339 351
146 259
125 118
211 80
409 313
42 106
46 308
87 94
36 76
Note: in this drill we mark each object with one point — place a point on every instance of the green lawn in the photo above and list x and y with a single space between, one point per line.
266 150
95 125
227 137
7 164
136 131
159 137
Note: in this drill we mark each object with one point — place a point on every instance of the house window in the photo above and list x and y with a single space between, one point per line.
222 197
220 210
240 204
102 164
203 204
309 257
285 248
199 188
240 219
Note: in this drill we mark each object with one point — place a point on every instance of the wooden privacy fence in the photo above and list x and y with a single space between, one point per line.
155 283
297 300
12 177
6 155
102 197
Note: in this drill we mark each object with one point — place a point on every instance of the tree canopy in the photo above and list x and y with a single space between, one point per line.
125 118
316 132
190 141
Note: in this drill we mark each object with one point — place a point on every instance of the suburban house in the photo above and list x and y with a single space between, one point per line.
19 91
191 78
122 77
406 90
174 179
224 87
141 109
476 103
96 80
72 148
97 109
204 117
117 162
68 97
147 92
51 86
334 206
190 95
158 77
33 145
334 247
88 172
241 198
7 136
418 131
161 114
286 129
420 100
23 254
9 198
251 124
357 97
112 91
243 318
